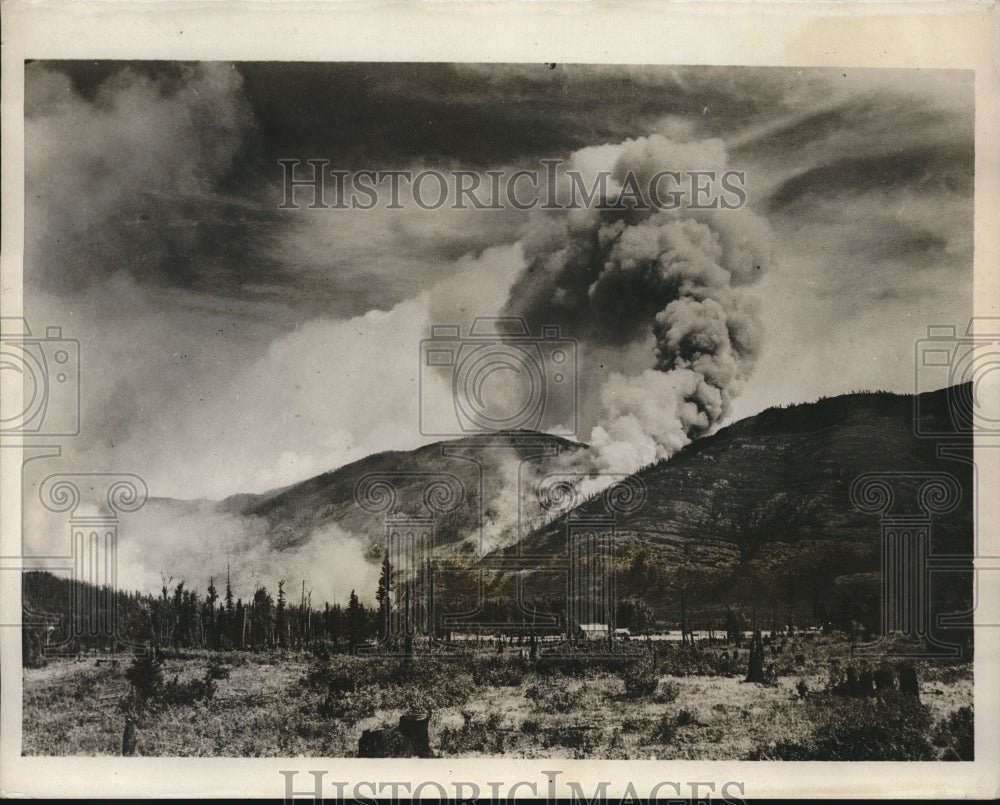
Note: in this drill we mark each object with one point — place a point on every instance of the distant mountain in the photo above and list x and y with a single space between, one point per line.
760 513
755 516
293 514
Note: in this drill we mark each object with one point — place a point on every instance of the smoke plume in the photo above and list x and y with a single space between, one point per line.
616 277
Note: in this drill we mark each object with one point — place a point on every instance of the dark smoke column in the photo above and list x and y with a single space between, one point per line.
613 277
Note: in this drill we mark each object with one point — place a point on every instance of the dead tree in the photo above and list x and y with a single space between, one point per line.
755 670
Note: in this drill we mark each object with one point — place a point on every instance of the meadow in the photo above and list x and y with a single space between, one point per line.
662 701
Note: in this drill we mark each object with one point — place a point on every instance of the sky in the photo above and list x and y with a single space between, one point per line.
229 345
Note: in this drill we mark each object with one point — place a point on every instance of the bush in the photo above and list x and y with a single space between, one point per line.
476 735
957 735
640 680
667 692
581 738
551 697
177 693
216 670
321 650
892 727
666 729
347 706
498 672
688 660
339 681
146 678
895 728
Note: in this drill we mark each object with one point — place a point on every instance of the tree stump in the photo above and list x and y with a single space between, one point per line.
908 683
866 684
885 680
414 727
409 739
853 686
129 738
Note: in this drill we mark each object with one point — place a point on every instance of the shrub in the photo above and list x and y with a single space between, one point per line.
579 738
893 727
146 678
666 729
551 697
476 735
320 649
340 681
186 693
640 680
957 735
802 688
216 670
498 672
347 706
667 692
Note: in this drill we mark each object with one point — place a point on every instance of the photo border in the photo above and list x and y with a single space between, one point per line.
930 36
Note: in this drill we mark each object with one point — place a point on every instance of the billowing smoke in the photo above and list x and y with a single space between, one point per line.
673 278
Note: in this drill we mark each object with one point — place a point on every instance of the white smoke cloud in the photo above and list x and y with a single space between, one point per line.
613 277
196 543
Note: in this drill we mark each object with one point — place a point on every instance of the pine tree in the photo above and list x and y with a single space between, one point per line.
333 623
178 614
261 623
237 625
355 621
279 616
208 614
228 613
382 595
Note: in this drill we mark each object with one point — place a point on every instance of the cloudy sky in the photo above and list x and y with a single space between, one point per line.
230 345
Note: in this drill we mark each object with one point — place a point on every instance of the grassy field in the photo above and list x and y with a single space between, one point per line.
679 703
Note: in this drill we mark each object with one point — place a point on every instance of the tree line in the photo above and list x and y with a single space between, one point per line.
183 618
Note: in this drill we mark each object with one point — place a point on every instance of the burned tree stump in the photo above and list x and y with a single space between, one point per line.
128 738
885 680
410 739
383 743
908 683
414 727
853 686
866 684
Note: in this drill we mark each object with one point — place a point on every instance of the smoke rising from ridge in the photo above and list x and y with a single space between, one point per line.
611 277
